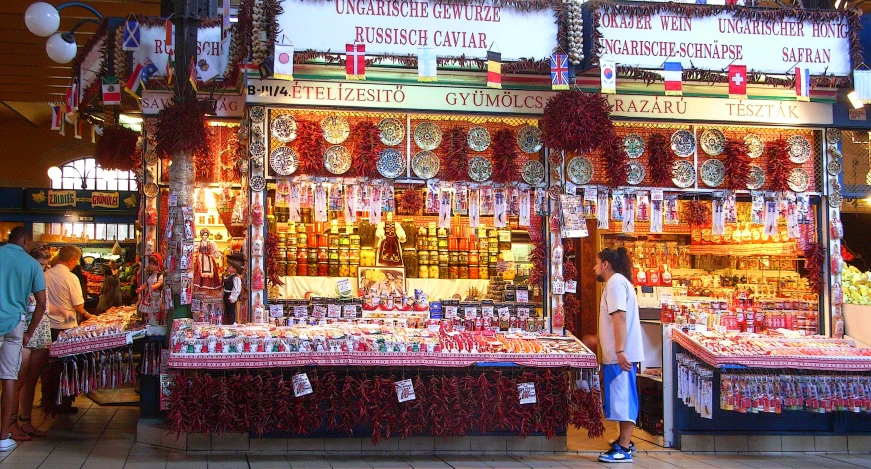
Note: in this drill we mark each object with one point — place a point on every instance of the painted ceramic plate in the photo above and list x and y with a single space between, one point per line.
425 165
427 136
151 155
391 131
833 136
799 180
756 178
283 128
257 113
636 174
257 150
835 199
713 173
529 139
683 174
391 163
712 142
555 175
256 133
532 172
799 149
555 158
755 145
833 150
554 191
633 145
257 183
579 170
337 159
480 168
257 162
479 138
151 190
283 161
833 168
336 129
683 144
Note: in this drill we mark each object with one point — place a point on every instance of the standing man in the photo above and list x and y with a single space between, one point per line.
20 275
65 297
620 341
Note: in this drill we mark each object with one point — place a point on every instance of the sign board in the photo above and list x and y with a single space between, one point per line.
857 114
152 45
399 28
81 200
715 41
227 106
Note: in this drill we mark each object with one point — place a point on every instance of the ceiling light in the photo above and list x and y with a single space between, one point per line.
54 173
59 49
42 19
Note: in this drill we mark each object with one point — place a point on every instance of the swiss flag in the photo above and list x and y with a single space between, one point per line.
355 61
738 81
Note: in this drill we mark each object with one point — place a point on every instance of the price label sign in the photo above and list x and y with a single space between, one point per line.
591 194
451 311
571 286
300 311
344 287
301 385
319 311
470 312
523 296
349 311
523 313
276 311
656 194
558 287
173 200
487 311
334 311
526 391
571 189
666 299
195 305
405 390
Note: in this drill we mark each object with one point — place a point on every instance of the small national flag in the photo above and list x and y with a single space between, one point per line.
802 84
63 126
148 71
68 101
134 83
192 73
559 71
609 76
206 68
282 66
170 69
130 36
738 81
170 32
355 61
56 116
111 90
862 84
76 95
673 75
225 19
79 127
93 133
427 67
494 69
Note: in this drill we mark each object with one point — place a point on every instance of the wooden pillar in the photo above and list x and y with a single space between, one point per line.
587 285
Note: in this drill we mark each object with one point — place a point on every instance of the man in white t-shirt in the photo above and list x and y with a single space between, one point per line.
621 347
64 292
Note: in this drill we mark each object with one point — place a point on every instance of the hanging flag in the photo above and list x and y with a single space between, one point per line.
494 69
282 66
738 81
111 90
55 116
170 69
225 20
68 101
78 126
673 78
63 126
609 76
427 67
559 72
130 36
802 84
93 133
76 94
206 68
170 32
355 61
862 85
192 74
134 83
148 71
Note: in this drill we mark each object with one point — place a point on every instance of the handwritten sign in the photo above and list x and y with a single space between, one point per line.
526 392
405 390
301 385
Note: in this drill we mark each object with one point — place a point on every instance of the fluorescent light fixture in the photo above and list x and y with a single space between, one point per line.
854 100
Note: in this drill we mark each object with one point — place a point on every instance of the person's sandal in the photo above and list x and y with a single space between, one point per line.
35 432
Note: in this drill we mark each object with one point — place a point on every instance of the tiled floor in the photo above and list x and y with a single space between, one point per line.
104 438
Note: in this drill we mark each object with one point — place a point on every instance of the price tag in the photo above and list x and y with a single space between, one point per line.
344 286
523 313
523 296
470 312
526 391
319 311
666 299
276 311
572 286
301 385
487 311
334 311
195 305
300 311
451 311
405 390
656 194
571 189
501 266
591 194
173 200
558 287
504 312
349 311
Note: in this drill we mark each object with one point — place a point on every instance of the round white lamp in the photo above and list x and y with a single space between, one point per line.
42 19
54 173
59 50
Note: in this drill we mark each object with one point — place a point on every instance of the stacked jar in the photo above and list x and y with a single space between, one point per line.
433 244
474 272
483 254
422 252
493 252
443 253
453 259
333 259
291 252
354 254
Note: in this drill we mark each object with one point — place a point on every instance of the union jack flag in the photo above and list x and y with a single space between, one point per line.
559 71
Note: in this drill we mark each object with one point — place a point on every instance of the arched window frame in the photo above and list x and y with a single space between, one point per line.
86 170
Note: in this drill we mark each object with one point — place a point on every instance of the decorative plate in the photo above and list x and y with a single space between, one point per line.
712 142
479 138
336 129
683 144
579 170
151 190
799 149
833 168
391 131
755 145
713 173
798 180
337 159
555 175
529 139
257 113
284 128
555 158
256 133
835 199
833 150
257 183
683 174
425 165
480 168
554 191
756 178
636 174
532 172
391 163
283 161
151 155
633 145
257 162
427 136
257 150
833 136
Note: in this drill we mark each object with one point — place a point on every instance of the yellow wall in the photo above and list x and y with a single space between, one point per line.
26 152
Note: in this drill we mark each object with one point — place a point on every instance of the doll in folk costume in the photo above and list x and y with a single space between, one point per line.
390 237
206 274
232 286
151 292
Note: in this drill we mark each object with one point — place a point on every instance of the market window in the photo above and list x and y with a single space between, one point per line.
86 174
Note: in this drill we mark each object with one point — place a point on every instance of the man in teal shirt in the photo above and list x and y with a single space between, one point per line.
20 275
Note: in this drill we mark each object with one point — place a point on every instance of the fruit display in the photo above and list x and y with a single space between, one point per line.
114 321
776 343
856 286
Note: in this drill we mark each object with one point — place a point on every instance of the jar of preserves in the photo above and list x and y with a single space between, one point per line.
281 252
444 257
291 254
313 269
443 271
434 271
463 258
354 239
302 269
333 240
354 255
423 271
473 271
482 244
423 258
282 267
483 272
410 259
313 256
453 272
301 238
353 271
334 256
454 258
324 254
442 243
464 271
344 255
344 270
344 240
367 257
323 269
291 268
473 257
